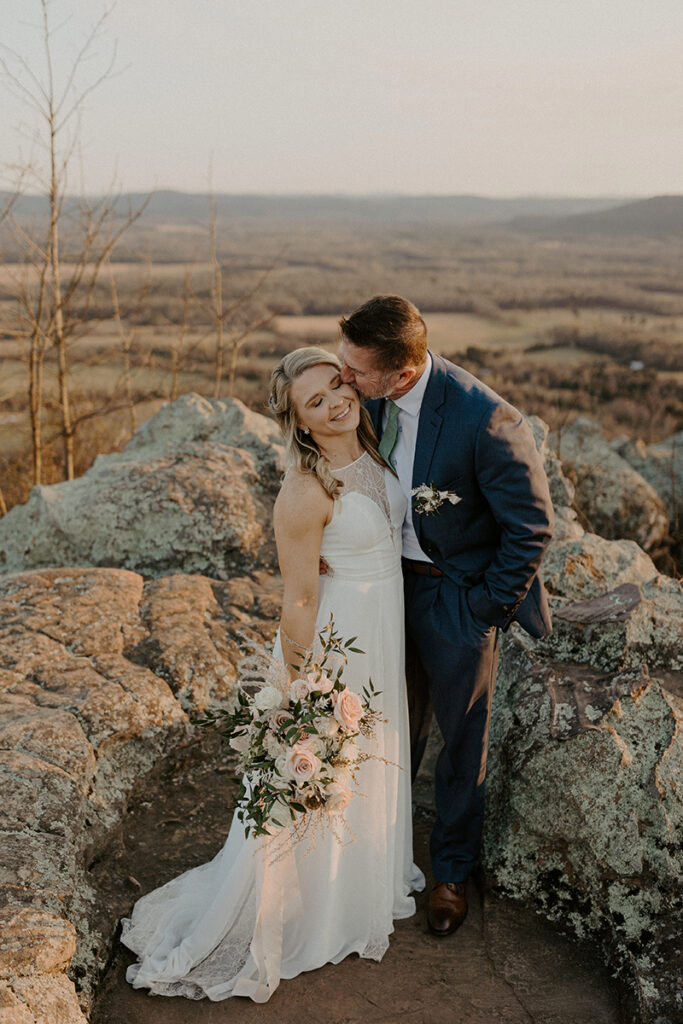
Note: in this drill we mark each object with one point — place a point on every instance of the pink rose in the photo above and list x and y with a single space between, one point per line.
277 719
338 797
324 684
302 765
348 709
311 742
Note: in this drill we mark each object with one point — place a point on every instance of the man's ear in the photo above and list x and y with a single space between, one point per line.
406 375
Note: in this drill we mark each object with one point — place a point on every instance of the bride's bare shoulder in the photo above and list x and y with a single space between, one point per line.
302 498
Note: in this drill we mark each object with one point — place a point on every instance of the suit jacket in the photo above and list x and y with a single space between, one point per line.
471 441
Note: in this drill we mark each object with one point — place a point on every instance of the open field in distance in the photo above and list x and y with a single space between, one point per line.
558 325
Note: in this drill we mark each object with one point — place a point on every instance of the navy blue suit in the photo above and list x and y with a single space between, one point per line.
489 547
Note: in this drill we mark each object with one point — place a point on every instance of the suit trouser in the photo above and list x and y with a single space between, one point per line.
451 664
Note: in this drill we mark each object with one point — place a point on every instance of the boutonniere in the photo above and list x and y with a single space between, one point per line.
429 499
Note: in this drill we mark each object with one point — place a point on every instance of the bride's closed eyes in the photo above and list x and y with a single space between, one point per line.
335 385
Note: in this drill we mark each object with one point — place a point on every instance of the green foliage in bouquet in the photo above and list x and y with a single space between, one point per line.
296 739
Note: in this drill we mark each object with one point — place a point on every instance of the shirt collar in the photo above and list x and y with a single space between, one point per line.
412 400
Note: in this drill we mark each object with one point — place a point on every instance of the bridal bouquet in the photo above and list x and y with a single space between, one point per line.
296 738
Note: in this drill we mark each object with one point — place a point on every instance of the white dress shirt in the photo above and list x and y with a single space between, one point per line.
403 455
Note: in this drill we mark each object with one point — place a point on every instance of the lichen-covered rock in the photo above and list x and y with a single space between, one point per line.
585 789
192 419
625 628
99 675
661 465
578 567
561 488
567 526
578 564
615 500
192 492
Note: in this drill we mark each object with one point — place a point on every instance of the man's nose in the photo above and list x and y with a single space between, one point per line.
346 375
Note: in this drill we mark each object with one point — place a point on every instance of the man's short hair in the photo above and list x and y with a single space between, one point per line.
391 326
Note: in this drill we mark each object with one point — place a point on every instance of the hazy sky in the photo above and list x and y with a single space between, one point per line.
495 97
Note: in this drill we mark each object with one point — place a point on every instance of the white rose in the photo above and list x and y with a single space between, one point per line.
278 781
326 726
349 751
273 746
299 689
268 698
338 797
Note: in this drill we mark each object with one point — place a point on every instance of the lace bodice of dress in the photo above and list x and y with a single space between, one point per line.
364 535
365 476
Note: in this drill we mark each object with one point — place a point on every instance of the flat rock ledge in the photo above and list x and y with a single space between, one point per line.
585 783
100 673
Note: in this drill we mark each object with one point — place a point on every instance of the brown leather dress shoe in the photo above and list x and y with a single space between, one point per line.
447 907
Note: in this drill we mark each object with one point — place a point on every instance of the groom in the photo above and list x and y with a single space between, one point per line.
470 565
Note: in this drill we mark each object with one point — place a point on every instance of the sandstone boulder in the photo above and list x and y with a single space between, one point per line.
100 673
614 499
192 492
585 789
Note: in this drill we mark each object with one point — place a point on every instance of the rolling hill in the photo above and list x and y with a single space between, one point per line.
660 217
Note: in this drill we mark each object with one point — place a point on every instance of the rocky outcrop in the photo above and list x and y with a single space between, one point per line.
585 790
615 501
662 466
102 668
192 492
578 564
99 675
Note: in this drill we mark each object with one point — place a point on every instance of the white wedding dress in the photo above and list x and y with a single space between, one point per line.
243 921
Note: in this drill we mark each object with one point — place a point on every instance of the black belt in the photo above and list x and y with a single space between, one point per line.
421 568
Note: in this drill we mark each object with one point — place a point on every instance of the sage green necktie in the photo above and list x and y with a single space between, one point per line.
390 435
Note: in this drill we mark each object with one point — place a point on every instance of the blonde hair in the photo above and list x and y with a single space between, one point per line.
301 451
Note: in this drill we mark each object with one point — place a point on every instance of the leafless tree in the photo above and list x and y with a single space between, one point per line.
179 353
127 335
62 259
234 323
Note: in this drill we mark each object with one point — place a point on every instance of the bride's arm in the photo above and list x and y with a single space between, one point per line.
301 512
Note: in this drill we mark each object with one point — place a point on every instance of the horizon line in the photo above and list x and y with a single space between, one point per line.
361 195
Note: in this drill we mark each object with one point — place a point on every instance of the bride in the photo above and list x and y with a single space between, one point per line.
238 924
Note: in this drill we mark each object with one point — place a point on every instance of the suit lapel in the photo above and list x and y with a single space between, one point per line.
429 424
428 431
